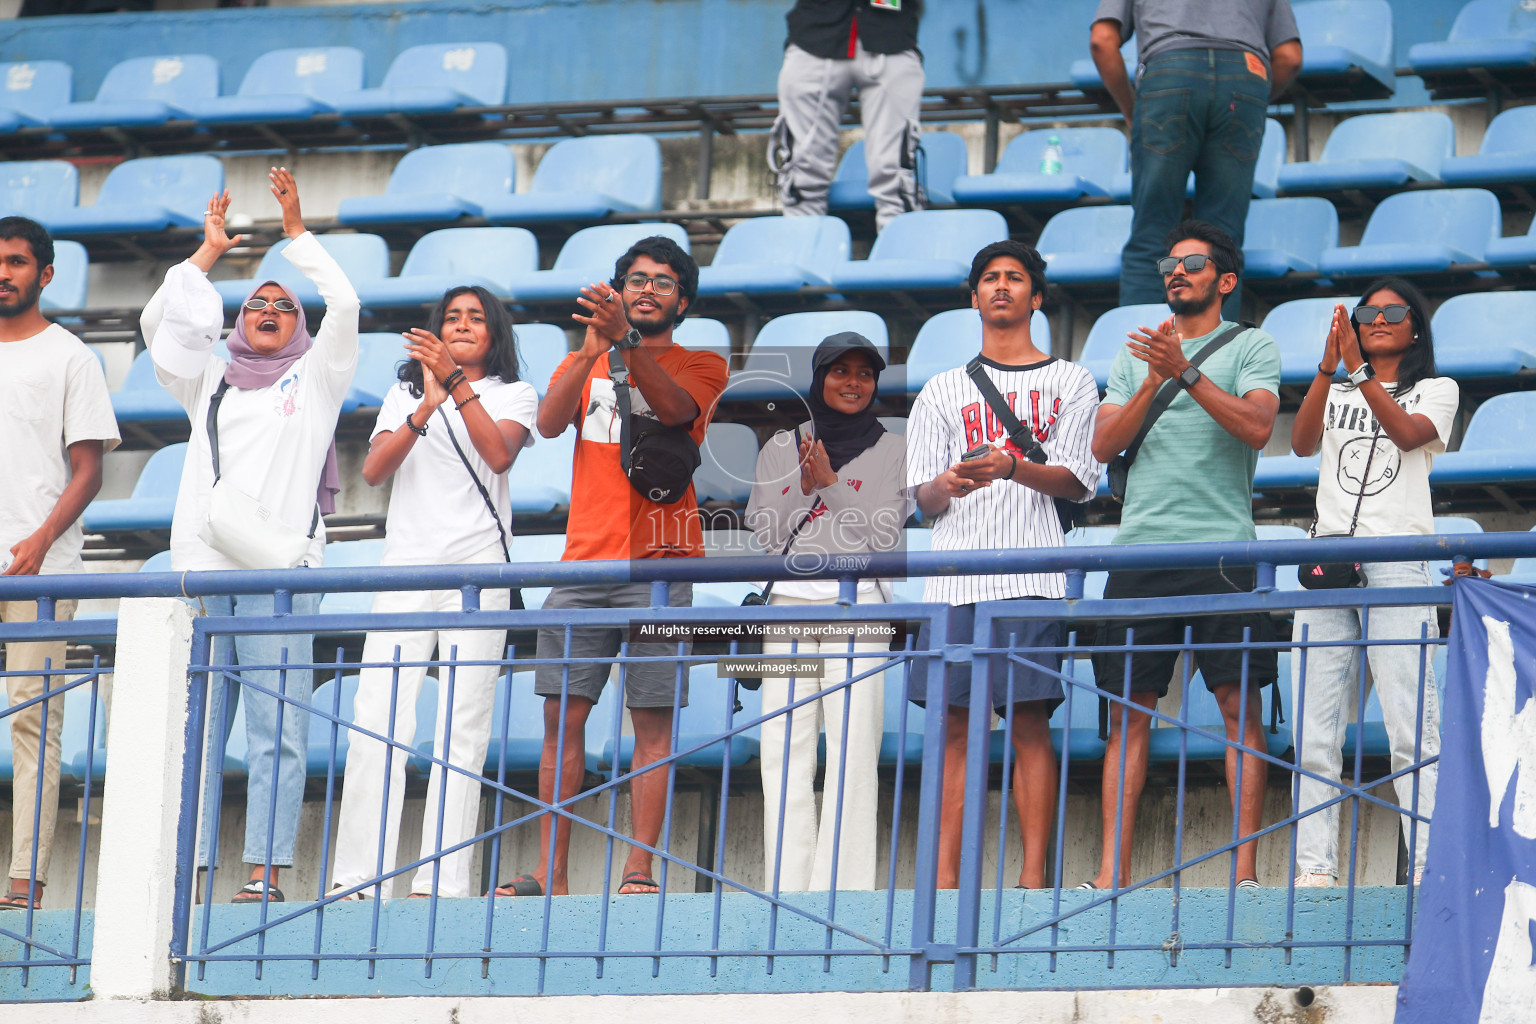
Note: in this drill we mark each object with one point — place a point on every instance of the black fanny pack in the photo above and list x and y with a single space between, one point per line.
658 460
1339 575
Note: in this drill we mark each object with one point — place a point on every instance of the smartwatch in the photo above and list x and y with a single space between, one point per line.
1190 377
631 339
1362 374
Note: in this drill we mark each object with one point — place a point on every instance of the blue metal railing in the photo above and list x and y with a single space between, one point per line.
215 939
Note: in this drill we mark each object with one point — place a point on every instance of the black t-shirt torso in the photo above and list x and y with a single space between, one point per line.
822 27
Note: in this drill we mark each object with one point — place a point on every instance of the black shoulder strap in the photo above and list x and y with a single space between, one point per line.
214 401
619 374
1022 439
485 496
1170 389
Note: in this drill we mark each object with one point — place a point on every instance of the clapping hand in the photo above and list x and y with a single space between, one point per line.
436 363
1338 328
815 466
1161 349
605 316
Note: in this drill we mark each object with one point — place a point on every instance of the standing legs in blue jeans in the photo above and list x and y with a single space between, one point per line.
1200 111
264 823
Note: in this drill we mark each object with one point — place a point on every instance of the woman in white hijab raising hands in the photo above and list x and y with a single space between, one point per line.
260 472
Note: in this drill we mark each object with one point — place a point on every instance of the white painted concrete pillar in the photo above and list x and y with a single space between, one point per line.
130 954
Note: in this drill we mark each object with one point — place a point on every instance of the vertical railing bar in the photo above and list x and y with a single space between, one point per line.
665 845
1002 808
778 843
389 760
901 765
721 817
444 776
330 803
1125 725
613 807
1061 805
554 819
216 802
1180 792
277 754
842 776
509 654
1354 804
85 811
1237 790
1299 723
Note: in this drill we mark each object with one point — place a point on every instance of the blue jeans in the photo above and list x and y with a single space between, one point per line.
1200 111
261 732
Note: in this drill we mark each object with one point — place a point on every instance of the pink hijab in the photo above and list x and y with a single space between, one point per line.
251 369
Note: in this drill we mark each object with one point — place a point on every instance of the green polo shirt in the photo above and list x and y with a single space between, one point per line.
1193 481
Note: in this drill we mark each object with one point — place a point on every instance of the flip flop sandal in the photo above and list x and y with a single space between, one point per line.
252 892
354 897
1087 885
522 885
18 901
638 878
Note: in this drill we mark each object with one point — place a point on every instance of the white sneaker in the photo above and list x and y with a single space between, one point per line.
1314 880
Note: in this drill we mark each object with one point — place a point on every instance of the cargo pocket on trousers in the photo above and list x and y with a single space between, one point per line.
781 158
914 168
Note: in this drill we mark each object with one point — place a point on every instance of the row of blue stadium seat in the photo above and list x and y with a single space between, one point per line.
282 85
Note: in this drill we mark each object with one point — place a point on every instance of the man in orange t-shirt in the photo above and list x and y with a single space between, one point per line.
653 285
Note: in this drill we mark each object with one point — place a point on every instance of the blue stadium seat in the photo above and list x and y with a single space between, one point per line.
774 255
1091 158
1300 327
1285 235
1490 39
437 183
910 589
540 347
71 271
145 91
1082 245
1507 154
141 399
1376 151
287 85
37 188
1108 334
1473 339
1285 472
364 259
434 79
709 713
148 194
941 159
540 480
923 249
1522 572
517 732
778 365
1083 723
1084 73
1205 713
701 332
1439 569
1496 447
537 547
588 256
152 502
898 744
1266 169
586 179
728 463
82 747
1419 233
1513 252
1346 49
452 258
33 90
317 757
350 554
948 340
378 357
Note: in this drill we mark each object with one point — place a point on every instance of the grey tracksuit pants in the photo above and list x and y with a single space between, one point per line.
813 93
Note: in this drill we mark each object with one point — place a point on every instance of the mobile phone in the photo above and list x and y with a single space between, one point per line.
981 451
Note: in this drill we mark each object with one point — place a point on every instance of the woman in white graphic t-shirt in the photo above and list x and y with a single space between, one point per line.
447 433
1379 432
273 406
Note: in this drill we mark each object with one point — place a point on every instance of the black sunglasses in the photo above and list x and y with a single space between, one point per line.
1193 263
281 305
1394 314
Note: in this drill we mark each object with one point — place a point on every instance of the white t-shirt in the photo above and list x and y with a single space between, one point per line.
52 394
272 440
1396 488
1057 401
436 514
862 513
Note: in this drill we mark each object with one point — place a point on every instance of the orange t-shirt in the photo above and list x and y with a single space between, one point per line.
609 519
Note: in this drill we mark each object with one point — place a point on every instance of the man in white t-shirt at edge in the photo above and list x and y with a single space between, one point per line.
56 422
1002 497
1378 432
1190 480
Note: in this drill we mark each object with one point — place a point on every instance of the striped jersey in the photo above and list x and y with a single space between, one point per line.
1057 401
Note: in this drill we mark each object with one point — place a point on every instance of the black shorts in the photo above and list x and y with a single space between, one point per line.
1152 671
1009 681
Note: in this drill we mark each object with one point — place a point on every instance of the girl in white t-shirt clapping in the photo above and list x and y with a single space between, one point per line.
448 433
274 404
1379 433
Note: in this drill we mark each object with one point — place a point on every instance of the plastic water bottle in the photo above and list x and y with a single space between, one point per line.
1050 160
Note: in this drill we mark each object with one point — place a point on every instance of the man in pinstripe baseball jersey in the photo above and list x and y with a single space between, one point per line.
1002 498
1191 480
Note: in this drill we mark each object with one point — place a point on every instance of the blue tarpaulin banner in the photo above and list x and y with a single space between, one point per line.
1474 935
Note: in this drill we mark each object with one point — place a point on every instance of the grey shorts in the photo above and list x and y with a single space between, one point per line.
647 684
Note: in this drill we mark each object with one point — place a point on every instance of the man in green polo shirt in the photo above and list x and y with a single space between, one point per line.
1191 480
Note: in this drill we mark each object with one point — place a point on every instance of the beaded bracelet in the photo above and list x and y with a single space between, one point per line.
459 405
454 379
418 431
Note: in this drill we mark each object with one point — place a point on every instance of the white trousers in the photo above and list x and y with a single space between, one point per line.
363 805
789 768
